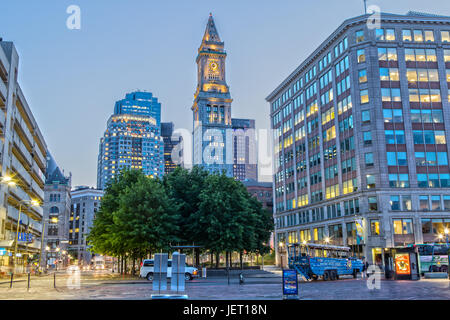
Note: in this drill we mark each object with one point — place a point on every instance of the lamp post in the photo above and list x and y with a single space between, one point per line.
16 241
280 245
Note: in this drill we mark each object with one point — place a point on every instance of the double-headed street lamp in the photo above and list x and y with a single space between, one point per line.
33 203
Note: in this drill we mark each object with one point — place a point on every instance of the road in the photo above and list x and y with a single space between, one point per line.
108 286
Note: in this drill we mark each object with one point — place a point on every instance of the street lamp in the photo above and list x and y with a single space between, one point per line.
327 240
280 244
33 203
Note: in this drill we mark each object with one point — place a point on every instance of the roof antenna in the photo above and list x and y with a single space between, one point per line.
365 6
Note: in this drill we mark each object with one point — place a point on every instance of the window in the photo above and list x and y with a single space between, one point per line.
396 158
436 203
365 116
373 205
389 74
429 36
420 55
385 34
359 36
387 54
399 180
406 203
362 76
424 204
445 36
375 227
368 157
446 202
418 35
403 226
367 137
361 55
364 96
370 181
406 34
395 203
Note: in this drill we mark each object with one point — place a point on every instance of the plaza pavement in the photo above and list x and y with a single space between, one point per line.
257 287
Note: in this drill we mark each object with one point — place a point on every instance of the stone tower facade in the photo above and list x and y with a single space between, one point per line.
212 106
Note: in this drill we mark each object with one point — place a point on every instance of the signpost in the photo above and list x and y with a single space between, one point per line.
290 284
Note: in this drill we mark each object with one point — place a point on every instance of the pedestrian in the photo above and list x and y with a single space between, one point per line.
363 271
366 267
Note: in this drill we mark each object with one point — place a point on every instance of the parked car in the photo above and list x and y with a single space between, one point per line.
147 267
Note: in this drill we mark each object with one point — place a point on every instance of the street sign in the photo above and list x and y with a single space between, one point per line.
2 251
290 283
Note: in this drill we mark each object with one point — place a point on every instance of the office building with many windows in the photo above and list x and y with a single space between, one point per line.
85 204
360 138
132 139
245 157
167 130
22 166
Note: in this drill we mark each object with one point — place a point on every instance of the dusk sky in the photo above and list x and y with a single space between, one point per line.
72 78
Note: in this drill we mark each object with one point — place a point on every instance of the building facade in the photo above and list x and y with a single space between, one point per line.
244 149
167 129
56 207
22 161
262 191
85 204
132 139
361 132
212 106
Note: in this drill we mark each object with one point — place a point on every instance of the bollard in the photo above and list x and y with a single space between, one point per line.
204 272
12 276
241 278
54 280
28 286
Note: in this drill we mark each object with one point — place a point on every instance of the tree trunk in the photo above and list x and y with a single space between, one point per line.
241 262
197 257
217 259
133 272
212 259
126 264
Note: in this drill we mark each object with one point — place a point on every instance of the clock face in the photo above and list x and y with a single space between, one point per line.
213 66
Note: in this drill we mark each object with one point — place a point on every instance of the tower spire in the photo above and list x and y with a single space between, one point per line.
211 33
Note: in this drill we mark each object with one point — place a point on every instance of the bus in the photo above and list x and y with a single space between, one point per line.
433 257
326 261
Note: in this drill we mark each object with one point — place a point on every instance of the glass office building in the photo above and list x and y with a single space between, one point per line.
132 139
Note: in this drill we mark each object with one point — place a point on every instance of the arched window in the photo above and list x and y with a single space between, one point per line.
54 210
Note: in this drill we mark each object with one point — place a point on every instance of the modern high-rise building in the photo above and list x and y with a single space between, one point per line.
244 150
212 106
167 129
22 163
361 130
85 204
56 215
140 104
132 139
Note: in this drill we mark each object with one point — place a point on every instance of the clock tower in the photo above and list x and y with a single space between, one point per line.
212 106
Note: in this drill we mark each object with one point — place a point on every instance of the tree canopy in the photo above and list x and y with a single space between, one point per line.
139 214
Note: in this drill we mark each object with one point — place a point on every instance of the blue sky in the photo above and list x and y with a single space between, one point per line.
72 78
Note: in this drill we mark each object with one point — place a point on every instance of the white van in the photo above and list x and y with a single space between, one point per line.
147 270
